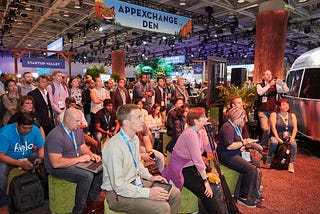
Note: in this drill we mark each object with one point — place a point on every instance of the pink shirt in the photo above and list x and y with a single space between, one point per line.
190 145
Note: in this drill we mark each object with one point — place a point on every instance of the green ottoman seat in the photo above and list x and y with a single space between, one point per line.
189 201
231 177
107 210
61 195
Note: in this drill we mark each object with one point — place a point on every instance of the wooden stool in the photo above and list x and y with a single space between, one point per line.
61 195
189 201
107 210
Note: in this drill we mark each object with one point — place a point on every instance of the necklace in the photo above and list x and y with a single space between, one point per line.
284 118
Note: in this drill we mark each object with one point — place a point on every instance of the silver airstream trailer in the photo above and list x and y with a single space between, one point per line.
303 80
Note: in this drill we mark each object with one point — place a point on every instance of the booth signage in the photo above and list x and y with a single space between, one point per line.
42 63
198 68
134 16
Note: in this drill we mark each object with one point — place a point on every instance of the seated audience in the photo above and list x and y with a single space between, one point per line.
284 129
105 122
21 146
123 172
154 118
147 152
26 105
64 148
229 148
186 166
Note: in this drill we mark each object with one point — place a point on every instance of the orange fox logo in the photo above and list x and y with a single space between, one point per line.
104 12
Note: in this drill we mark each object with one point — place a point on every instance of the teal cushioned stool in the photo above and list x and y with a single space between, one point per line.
107 210
189 201
61 195
231 177
13 173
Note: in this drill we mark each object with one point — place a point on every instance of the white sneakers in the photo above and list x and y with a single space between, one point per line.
291 168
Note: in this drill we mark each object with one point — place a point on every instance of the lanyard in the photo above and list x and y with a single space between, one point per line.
285 120
21 141
236 128
107 119
129 147
72 138
200 141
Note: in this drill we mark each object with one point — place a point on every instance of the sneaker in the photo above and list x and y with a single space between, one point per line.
246 202
268 160
291 168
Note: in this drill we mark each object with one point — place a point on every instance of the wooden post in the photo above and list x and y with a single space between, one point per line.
118 64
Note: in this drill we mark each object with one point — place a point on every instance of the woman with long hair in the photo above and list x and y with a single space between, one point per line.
186 166
10 100
284 129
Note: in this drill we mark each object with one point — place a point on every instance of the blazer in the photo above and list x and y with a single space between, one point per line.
43 110
117 99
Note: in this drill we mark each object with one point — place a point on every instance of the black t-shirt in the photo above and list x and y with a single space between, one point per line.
106 120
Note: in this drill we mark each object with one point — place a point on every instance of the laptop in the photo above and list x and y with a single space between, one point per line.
91 166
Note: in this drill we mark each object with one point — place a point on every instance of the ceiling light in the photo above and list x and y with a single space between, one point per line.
182 2
78 4
28 7
66 14
301 1
241 1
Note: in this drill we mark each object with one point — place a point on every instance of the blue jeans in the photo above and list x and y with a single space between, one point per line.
88 185
4 171
248 170
273 147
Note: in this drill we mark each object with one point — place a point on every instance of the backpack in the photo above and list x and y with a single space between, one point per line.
25 192
281 157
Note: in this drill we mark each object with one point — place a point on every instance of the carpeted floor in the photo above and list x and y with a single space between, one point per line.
284 193
288 193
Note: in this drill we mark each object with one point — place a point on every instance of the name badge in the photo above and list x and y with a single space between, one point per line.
286 134
143 99
138 181
61 104
162 103
246 156
264 99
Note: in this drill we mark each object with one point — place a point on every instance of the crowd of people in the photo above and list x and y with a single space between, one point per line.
60 124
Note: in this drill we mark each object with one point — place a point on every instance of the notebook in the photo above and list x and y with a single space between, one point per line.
165 186
91 166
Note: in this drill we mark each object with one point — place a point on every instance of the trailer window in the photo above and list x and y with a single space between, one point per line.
293 82
310 87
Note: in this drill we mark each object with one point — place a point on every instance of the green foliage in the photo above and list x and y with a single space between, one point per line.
116 77
95 71
248 95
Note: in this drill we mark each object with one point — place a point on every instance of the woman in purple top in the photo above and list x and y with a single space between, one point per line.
186 167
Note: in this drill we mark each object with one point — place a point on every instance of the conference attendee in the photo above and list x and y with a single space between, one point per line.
160 96
98 94
3 79
27 85
75 91
175 123
58 93
10 100
186 167
268 92
123 172
26 105
229 148
86 102
21 146
170 93
120 96
42 104
181 91
284 129
108 85
64 148
143 91
105 122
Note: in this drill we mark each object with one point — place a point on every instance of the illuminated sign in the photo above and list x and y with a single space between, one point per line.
134 16
181 59
57 45
42 62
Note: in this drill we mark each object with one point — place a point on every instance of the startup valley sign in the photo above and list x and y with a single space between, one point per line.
43 63
134 16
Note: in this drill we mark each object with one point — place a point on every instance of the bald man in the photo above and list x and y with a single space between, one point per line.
64 148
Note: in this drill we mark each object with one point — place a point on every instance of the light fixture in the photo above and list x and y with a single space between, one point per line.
241 1
301 1
78 4
66 14
182 3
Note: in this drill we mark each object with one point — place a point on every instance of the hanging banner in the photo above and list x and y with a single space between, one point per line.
134 16
42 63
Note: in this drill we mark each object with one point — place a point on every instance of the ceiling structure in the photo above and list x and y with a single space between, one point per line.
222 28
